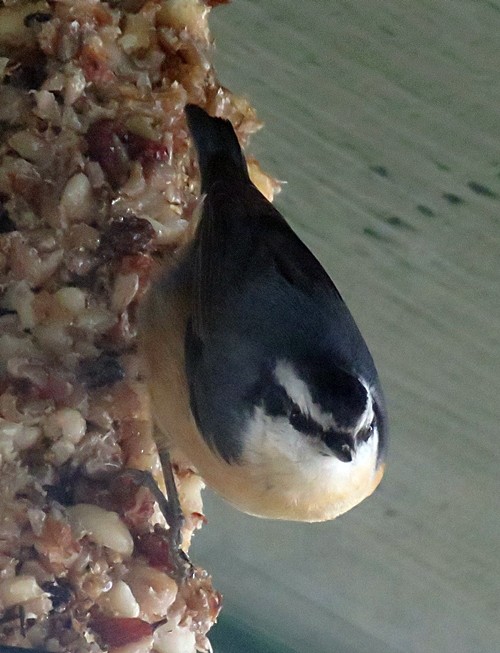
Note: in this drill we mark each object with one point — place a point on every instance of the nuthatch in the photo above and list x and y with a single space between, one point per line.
258 372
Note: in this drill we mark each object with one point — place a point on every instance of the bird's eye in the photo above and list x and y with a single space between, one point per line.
366 433
297 419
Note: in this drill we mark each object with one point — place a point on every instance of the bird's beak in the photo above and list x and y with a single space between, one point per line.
345 454
341 445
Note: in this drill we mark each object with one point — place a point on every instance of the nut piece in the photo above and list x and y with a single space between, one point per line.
119 601
20 589
179 640
102 526
154 590
189 14
77 201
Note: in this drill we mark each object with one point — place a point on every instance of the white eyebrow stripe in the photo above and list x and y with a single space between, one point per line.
368 414
299 393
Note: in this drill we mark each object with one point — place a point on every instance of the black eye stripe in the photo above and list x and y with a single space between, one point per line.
305 423
275 401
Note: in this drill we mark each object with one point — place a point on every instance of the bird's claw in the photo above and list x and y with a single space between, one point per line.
171 510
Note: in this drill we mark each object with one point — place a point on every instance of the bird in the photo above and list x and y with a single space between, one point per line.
258 373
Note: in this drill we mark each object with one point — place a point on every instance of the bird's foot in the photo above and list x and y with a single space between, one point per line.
163 547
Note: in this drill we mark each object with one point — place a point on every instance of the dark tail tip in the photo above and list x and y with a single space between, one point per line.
219 152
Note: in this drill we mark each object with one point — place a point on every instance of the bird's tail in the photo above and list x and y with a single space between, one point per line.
219 152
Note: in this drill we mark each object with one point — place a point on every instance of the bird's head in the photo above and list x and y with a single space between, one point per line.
336 412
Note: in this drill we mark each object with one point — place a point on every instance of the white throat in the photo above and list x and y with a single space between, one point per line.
296 480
